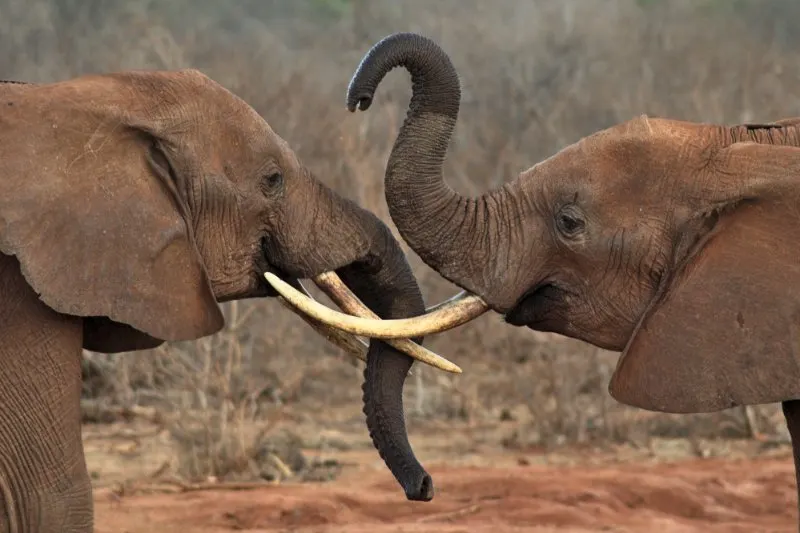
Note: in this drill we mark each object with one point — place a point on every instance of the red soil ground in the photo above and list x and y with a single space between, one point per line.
710 495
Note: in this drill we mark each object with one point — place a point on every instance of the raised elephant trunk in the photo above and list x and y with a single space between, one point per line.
434 219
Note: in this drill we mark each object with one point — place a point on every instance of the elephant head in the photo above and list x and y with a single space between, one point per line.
140 200
667 240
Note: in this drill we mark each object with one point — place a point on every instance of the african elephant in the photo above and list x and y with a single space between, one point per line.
662 239
134 203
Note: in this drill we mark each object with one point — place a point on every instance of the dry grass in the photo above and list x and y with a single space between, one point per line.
536 75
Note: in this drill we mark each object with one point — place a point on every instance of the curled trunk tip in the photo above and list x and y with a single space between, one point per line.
428 64
427 213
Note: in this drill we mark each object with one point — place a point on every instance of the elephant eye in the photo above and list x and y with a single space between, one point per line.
569 221
273 181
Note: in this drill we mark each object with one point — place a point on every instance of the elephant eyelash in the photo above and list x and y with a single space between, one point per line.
272 182
570 221
569 224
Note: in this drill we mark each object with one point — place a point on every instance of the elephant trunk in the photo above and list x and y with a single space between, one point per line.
388 287
459 237
362 251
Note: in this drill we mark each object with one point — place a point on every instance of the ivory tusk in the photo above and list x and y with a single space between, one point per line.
335 288
448 316
346 341
454 298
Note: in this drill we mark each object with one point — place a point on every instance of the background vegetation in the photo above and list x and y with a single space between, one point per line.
537 75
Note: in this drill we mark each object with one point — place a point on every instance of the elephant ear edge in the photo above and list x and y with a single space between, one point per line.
97 232
727 331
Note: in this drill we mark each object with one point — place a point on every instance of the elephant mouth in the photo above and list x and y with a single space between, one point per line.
264 264
538 308
268 289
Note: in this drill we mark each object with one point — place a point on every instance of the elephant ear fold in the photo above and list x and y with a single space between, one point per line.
90 212
726 331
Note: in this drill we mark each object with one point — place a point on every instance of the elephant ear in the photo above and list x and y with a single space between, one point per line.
726 330
89 210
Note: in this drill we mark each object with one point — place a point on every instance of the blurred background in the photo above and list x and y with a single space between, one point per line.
537 75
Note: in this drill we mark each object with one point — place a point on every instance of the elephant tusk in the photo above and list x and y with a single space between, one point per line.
455 298
332 285
335 288
456 312
346 341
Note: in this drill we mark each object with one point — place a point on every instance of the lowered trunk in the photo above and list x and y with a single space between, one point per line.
369 260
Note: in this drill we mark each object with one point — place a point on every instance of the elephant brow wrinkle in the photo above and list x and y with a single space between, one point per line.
775 134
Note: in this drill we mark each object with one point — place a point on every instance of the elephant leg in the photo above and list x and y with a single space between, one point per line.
44 484
791 411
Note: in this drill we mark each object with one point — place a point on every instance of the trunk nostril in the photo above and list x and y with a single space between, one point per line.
422 490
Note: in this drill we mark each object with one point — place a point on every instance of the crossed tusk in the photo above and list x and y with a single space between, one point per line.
457 311
334 287
346 341
354 346
340 294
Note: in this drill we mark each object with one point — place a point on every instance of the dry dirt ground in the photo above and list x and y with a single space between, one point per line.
480 487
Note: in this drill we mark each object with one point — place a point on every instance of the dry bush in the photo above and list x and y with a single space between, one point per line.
536 75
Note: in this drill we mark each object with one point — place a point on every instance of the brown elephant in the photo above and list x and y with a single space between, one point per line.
658 238
132 204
